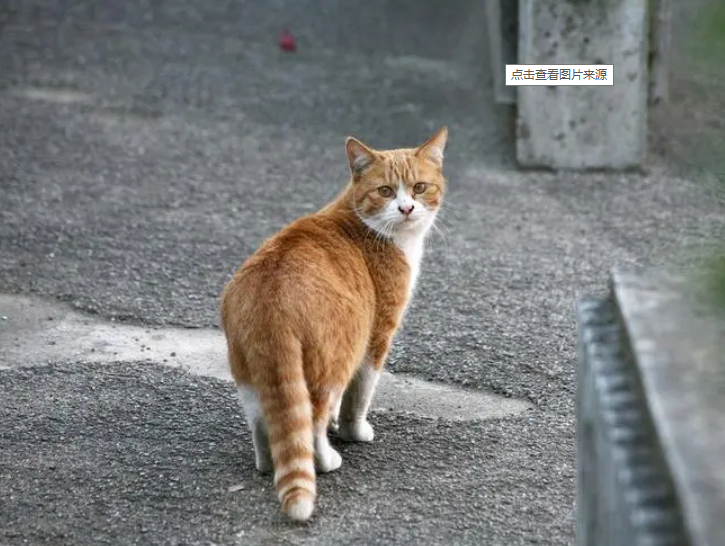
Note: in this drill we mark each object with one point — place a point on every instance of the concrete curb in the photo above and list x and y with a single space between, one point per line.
651 380
624 494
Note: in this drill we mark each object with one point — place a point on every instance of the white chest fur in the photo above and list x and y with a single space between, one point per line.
412 246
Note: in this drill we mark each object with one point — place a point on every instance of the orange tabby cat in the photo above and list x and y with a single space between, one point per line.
309 317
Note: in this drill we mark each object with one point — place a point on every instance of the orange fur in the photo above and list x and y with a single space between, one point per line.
318 299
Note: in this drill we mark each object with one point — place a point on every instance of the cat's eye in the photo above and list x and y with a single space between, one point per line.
420 187
386 191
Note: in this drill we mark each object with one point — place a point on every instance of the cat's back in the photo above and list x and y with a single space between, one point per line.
315 261
316 245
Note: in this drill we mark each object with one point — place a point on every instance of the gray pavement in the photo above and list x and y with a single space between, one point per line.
148 147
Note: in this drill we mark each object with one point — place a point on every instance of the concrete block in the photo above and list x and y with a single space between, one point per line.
581 127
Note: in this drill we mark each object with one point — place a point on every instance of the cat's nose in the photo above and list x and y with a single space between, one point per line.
406 209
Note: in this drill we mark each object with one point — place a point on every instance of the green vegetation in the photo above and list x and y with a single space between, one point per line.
712 30
715 278
701 64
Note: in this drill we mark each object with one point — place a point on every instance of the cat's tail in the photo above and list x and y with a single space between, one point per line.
288 411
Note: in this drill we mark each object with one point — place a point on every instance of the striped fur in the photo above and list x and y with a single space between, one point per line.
311 314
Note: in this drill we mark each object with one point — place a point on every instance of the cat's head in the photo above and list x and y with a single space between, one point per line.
398 190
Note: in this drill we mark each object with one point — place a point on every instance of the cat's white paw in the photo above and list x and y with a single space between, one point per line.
358 431
328 460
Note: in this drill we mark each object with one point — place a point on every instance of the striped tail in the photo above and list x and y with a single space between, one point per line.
288 411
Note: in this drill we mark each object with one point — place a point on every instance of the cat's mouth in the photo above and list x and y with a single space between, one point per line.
410 221
403 223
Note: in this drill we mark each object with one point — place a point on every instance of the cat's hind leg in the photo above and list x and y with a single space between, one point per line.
255 419
335 414
324 406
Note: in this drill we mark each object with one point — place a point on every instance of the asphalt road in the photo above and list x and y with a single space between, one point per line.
146 148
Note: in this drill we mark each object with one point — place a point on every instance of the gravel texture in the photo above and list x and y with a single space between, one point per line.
148 147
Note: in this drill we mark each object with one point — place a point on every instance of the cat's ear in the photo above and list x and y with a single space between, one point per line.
359 156
433 148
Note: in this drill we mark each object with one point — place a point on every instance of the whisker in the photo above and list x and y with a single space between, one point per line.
387 231
443 227
443 216
449 208
442 224
437 231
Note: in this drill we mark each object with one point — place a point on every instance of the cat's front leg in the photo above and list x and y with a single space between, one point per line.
353 422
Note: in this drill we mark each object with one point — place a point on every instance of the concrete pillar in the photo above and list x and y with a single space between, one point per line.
660 45
502 17
581 127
